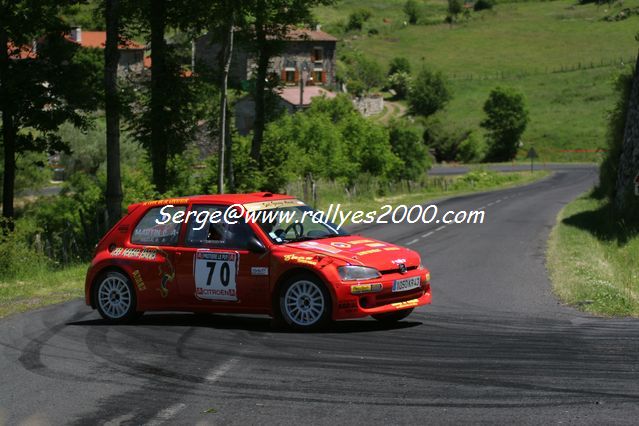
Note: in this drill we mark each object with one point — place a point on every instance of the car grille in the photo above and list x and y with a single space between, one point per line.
388 298
396 270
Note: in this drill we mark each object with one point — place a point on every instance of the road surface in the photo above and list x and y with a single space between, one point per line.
495 346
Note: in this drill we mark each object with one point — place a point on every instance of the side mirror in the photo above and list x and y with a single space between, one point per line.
254 245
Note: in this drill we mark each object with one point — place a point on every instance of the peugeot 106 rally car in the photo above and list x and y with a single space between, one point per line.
253 253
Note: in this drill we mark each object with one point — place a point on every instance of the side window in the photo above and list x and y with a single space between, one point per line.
207 229
149 231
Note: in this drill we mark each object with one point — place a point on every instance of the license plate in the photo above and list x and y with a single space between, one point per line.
406 284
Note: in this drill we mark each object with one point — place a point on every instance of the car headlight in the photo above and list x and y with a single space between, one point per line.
352 273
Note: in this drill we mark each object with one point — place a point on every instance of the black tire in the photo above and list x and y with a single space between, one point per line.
115 298
392 317
309 303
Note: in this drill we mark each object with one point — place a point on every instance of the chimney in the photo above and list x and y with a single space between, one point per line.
76 34
318 27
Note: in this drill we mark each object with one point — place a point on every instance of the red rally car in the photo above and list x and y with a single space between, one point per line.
252 253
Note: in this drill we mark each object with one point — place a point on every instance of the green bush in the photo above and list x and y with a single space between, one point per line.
399 64
472 149
400 83
357 19
506 120
483 5
21 250
428 94
411 9
408 146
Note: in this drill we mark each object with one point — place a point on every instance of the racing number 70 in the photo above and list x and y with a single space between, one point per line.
225 273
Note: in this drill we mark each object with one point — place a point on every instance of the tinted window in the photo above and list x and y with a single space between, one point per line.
200 232
148 231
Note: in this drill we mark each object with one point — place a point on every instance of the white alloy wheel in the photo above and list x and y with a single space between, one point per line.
304 303
114 297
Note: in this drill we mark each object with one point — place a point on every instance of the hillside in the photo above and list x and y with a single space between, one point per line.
564 57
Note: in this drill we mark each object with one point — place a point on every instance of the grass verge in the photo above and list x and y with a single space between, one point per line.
41 286
592 260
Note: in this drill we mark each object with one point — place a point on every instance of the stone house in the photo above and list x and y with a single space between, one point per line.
307 53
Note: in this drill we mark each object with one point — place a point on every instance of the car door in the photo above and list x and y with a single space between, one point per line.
216 269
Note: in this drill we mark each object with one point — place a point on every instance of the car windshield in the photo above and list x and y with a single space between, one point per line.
294 223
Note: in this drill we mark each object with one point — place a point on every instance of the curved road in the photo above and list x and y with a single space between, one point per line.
495 346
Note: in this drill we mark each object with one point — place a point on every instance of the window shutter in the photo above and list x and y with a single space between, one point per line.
284 74
297 76
323 77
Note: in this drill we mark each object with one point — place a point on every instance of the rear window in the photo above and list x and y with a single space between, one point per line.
149 232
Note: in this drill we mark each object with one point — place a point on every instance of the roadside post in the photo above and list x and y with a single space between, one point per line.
532 154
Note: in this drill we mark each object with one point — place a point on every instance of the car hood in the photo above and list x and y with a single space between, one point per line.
358 250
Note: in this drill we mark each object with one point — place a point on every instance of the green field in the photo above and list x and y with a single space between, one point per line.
562 56
592 260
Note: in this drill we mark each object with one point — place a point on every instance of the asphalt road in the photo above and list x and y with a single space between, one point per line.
495 346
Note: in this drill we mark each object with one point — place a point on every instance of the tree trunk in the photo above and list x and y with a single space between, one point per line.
112 112
8 133
260 85
159 144
228 54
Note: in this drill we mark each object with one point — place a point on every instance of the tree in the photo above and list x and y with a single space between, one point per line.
505 122
454 9
411 9
407 144
400 83
268 23
363 74
429 93
112 112
38 90
399 64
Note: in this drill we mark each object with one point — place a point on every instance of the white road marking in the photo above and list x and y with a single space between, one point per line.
490 204
440 228
222 369
410 243
428 234
166 414
498 201
121 419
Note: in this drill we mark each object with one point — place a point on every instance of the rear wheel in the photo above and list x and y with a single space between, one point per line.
305 304
115 297
391 317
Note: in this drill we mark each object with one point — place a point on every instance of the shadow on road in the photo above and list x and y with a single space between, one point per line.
247 323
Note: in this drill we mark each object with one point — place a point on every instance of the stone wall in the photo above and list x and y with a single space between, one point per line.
369 105
629 161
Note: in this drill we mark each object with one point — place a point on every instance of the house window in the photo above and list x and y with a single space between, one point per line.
318 55
318 76
289 76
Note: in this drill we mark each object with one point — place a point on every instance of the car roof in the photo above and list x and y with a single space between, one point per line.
215 199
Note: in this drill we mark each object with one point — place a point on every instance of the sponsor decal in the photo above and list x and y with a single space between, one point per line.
391 248
375 245
139 282
167 273
399 261
307 260
366 288
145 253
259 270
360 241
406 304
319 246
365 252
341 245
166 201
267 205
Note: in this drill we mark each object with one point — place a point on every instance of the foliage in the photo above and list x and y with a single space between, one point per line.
412 11
472 149
429 93
363 73
357 19
455 7
483 5
448 145
400 82
407 145
399 64
616 127
505 123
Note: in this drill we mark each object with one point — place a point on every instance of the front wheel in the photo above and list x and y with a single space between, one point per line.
391 317
305 304
115 298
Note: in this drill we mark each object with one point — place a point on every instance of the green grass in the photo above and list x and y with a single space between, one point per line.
41 287
593 260
560 55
